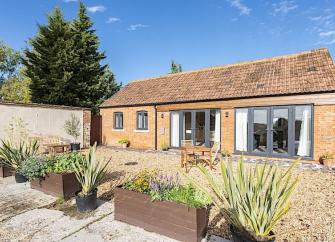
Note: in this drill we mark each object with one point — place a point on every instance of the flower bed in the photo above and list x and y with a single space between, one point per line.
59 185
53 175
159 204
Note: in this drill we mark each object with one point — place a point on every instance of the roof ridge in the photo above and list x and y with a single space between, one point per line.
234 64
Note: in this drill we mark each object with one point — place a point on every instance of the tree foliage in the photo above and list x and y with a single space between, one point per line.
175 67
64 63
9 62
15 90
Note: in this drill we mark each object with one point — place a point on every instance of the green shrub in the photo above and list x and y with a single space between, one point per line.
36 167
64 163
189 196
164 146
164 187
13 156
327 156
253 200
124 141
140 183
89 171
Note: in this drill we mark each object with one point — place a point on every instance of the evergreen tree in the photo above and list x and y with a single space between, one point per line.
47 62
175 68
65 63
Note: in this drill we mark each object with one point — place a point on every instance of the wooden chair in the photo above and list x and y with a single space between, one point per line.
211 158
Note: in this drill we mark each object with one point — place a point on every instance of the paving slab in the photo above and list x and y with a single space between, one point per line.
16 198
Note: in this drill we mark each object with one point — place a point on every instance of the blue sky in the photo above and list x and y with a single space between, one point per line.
141 37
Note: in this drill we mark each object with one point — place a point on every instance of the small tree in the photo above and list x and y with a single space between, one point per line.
72 127
175 67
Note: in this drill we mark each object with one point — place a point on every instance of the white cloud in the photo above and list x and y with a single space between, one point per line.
283 7
326 34
98 8
70 1
244 9
326 42
111 20
134 27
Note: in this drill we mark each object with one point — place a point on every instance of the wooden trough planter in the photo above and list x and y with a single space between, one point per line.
6 172
167 218
58 185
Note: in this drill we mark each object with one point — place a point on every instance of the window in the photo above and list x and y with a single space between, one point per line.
284 131
118 120
142 120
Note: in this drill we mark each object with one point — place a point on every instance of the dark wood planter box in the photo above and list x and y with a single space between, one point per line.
6 172
58 185
171 219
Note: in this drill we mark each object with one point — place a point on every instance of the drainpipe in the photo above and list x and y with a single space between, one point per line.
155 107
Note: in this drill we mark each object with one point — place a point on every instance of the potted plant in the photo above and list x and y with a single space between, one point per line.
252 200
160 203
13 156
328 159
124 142
164 146
89 172
52 175
72 128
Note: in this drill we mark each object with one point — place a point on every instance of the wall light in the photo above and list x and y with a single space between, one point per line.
227 114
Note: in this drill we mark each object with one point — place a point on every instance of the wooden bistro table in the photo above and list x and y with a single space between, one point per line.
190 150
57 148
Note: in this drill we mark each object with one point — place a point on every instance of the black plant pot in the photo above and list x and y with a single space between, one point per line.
87 203
240 237
19 178
75 146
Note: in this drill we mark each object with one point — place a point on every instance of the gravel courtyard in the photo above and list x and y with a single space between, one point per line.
312 217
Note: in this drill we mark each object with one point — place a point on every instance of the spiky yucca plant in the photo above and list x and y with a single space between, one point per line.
89 171
253 200
14 155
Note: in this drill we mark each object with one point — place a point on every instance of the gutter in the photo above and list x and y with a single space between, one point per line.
155 107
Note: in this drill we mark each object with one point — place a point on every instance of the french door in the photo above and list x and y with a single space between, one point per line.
200 127
271 131
195 126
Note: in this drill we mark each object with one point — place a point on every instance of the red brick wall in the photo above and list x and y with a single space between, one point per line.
138 139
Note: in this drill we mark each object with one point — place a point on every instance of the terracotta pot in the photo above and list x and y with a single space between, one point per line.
329 162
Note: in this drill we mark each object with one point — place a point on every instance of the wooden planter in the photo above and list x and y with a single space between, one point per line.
6 172
58 185
163 217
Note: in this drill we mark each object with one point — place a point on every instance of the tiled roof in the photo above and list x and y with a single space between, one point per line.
307 72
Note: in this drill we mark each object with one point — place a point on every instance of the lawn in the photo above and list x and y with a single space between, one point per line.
312 217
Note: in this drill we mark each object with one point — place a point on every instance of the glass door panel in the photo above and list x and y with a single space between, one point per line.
187 127
280 131
260 130
200 131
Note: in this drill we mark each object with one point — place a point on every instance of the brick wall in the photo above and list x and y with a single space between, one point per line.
163 130
324 122
324 130
138 139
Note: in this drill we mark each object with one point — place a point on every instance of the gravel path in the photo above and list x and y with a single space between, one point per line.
312 217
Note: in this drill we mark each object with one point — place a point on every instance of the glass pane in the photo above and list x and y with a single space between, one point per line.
260 130
140 121
212 127
200 128
280 131
145 120
187 132
241 129
302 125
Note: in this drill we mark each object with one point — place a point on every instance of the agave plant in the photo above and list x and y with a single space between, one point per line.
89 171
252 200
13 156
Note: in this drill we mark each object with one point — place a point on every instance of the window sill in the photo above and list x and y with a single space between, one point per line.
141 131
118 130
